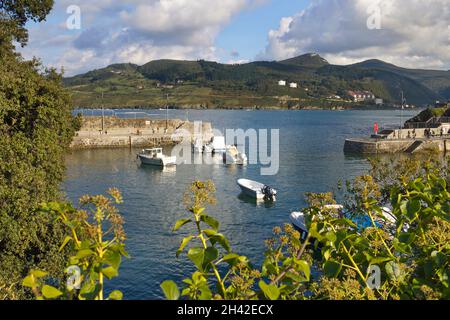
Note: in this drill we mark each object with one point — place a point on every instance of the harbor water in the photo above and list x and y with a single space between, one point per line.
311 159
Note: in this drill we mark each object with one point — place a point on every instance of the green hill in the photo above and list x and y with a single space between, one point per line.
206 84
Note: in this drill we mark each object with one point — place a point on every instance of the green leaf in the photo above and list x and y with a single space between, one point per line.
38 273
213 223
231 258
170 290
50 292
211 254
332 268
65 242
110 272
83 253
379 260
113 258
220 238
331 236
29 282
271 291
183 244
196 256
413 207
116 295
205 293
407 238
394 271
304 267
210 233
181 223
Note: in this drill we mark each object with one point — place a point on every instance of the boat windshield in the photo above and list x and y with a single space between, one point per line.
155 151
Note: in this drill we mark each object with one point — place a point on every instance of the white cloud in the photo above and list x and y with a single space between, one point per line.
414 33
182 21
135 31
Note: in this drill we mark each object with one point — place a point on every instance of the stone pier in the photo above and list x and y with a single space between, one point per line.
374 146
114 132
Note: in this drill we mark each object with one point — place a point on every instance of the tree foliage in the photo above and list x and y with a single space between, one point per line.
15 14
36 128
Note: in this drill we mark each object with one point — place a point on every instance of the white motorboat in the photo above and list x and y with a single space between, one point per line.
233 156
257 190
197 146
298 218
218 144
208 148
155 157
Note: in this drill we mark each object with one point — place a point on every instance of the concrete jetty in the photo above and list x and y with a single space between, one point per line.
114 132
375 146
407 140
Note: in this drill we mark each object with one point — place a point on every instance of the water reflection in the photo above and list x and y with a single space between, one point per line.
256 202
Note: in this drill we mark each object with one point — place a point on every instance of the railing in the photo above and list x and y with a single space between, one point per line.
444 120
119 114
417 125
431 123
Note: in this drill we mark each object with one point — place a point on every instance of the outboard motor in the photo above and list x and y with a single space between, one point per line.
269 193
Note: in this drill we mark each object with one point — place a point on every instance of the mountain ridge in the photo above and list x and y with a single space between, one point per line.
254 83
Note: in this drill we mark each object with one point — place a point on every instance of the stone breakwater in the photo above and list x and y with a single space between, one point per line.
373 146
114 132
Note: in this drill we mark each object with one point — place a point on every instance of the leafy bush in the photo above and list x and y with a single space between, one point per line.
405 259
95 238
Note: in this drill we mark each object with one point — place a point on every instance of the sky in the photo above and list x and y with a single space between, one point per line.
81 35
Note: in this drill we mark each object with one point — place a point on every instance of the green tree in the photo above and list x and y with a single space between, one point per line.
36 128
15 14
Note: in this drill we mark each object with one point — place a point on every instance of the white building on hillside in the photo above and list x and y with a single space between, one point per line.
282 83
293 85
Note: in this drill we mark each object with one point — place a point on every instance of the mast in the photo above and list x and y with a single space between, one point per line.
403 107
103 116
167 111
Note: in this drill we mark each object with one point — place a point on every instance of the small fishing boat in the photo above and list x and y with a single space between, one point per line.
257 190
197 146
233 156
363 221
155 157
218 144
208 148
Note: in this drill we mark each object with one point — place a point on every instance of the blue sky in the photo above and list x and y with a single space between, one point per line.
408 33
247 32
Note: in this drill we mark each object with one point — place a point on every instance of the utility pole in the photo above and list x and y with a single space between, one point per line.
167 112
103 116
401 115
403 107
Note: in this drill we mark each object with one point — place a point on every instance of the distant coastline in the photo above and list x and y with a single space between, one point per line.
254 108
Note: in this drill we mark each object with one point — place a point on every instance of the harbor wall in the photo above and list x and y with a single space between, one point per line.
119 132
370 146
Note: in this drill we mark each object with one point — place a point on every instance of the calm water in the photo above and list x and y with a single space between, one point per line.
311 160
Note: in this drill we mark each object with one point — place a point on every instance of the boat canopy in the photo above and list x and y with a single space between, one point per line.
153 150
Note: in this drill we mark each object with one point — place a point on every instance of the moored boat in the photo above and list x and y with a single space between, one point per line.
155 157
257 190
298 219
218 144
233 156
197 146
